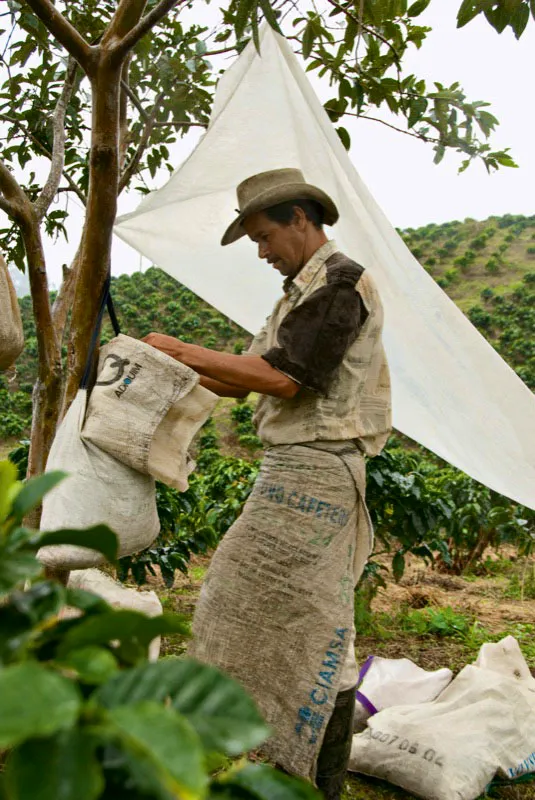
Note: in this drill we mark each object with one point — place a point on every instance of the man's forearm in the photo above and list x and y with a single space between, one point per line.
247 372
222 389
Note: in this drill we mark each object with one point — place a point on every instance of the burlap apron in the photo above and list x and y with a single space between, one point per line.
276 607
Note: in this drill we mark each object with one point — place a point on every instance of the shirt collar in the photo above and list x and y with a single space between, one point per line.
306 274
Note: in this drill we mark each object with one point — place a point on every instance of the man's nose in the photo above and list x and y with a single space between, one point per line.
262 250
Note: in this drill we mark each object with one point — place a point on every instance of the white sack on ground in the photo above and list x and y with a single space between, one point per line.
481 725
451 391
11 333
118 596
98 489
145 409
386 682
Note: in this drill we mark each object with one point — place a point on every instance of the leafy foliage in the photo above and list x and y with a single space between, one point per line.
84 715
361 48
170 81
499 13
194 522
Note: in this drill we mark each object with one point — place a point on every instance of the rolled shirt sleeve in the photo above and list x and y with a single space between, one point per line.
314 336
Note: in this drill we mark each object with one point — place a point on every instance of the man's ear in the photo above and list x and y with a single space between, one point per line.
300 219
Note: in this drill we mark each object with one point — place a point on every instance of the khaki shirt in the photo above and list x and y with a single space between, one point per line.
355 401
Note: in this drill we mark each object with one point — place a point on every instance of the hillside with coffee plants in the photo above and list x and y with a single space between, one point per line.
420 506
487 267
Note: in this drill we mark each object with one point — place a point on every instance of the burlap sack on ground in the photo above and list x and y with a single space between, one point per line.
99 489
118 596
276 607
145 409
483 723
11 334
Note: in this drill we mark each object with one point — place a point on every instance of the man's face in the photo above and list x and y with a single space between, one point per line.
283 246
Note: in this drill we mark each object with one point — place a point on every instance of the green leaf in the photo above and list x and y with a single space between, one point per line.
40 602
85 601
256 39
269 14
439 153
99 537
418 107
309 35
17 567
8 480
165 742
398 565
417 8
499 18
519 20
262 782
122 625
35 702
468 10
487 122
344 137
94 665
33 492
244 11
222 713
200 48
63 767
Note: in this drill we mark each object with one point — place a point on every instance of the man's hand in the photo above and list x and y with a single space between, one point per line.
166 344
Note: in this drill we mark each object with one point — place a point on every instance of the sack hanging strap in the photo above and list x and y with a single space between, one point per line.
105 302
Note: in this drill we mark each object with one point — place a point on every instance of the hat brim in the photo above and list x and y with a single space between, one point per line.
281 194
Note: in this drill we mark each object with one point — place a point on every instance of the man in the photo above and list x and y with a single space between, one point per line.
276 608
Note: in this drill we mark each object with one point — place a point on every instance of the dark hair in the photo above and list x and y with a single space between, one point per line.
283 213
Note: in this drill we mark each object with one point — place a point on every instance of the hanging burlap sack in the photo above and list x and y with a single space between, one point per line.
145 409
98 489
481 725
118 596
11 334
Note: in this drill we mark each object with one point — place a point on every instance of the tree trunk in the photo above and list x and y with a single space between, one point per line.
95 248
47 390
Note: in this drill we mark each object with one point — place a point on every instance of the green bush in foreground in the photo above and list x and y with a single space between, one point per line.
83 715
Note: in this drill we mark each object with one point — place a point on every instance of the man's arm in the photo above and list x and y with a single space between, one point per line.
222 389
246 372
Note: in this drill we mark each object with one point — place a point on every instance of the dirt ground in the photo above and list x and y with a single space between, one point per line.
485 605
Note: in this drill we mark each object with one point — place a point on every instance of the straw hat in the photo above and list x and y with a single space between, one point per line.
270 188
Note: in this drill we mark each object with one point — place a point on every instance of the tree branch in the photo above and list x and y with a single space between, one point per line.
64 32
72 185
421 136
50 188
64 298
143 26
133 98
123 114
14 202
177 123
145 136
230 49
363 27
6 207
124 20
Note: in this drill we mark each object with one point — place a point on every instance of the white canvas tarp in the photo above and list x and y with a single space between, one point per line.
451 391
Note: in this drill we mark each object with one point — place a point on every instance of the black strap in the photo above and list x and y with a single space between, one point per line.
105 302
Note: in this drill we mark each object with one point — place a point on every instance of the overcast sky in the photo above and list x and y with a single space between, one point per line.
398 169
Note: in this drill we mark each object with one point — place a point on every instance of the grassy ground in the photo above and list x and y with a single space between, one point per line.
435 619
